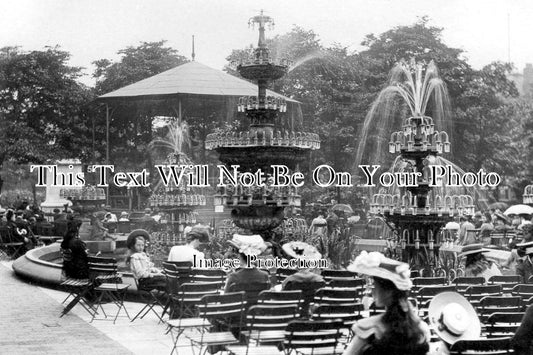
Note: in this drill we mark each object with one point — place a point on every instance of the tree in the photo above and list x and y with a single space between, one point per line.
137 63
131 128
43 112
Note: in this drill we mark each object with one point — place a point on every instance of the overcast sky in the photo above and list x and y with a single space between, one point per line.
97 29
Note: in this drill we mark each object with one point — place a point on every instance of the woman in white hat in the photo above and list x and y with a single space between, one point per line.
476 265
397 331
453 318
248 247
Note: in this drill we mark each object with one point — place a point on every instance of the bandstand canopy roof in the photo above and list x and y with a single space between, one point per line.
191 78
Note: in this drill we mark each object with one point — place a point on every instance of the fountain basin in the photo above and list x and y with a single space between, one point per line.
44 265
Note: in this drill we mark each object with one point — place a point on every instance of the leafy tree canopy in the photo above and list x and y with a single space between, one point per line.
43 112
136 63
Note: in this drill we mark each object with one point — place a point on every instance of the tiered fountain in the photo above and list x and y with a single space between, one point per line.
261 209
176 202
417 213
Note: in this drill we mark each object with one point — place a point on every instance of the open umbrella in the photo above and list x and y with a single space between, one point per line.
341 207
498 206
518 209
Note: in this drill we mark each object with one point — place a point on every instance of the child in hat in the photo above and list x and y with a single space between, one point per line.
397 331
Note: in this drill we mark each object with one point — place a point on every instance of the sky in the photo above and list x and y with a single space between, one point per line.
97 29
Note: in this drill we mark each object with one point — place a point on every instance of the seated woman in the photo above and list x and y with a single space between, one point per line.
476 265
247 247
306 279
147 276
74 252
397 331
18 234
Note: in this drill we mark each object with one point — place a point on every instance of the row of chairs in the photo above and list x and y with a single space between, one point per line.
104 285
268 327
271 326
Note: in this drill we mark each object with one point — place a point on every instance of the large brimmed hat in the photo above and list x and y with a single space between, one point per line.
199 232
132 237
501 216
452 226
453 318
472 249
301 250
248 244
376 264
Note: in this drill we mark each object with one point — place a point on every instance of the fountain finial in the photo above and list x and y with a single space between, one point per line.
261 20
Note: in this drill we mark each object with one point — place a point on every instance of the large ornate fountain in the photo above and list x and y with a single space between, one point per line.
417 212
260 209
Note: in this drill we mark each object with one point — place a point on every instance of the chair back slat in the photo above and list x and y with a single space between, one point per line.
475 293
280 297
208 275
463 282
263 317
229 307
346 283
329 274
331 296
495 346
349 313
523 290
503 324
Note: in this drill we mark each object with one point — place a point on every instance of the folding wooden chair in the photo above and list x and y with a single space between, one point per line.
507 282
463 282
349 313
186 321
224 312
503 304
503 324
188 296
108 285
265 324
495 346
475 293
314 337
208 275
329 274
346 283
251 289
419 282
78 289
280 297
282 274
308 293
332 296
523 290
152 298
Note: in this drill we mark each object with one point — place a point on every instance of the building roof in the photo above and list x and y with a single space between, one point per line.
191 78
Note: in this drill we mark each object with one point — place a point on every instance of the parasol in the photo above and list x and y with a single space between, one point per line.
341 207
518 209
452 226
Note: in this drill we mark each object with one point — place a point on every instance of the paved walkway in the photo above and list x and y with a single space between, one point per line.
30 324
